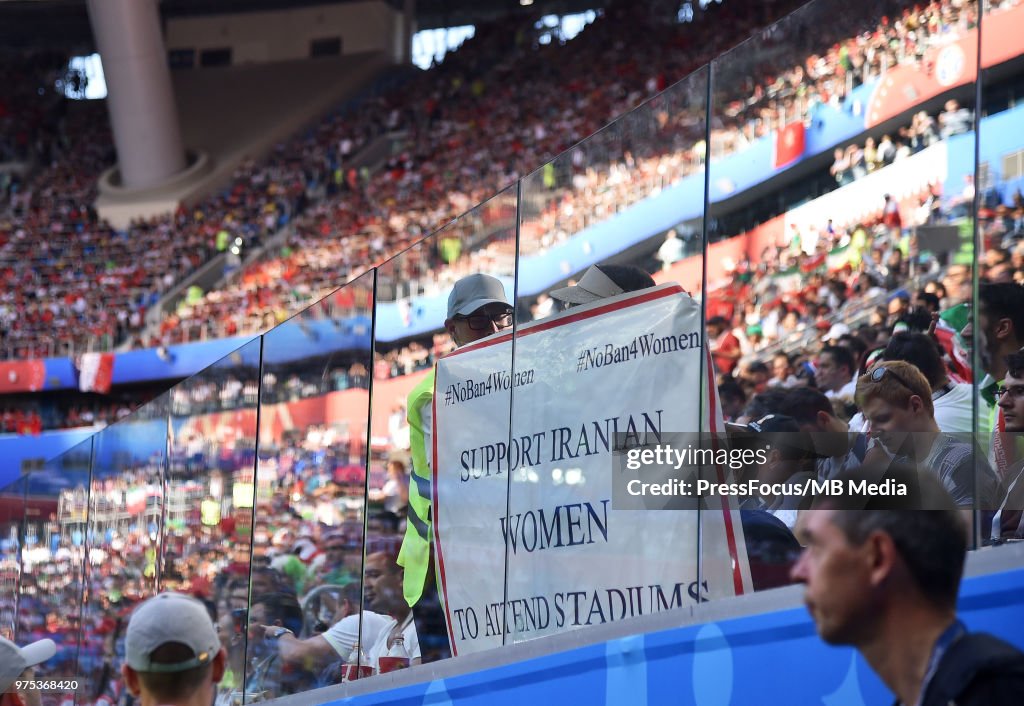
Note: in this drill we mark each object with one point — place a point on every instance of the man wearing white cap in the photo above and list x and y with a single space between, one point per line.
173 656
15 660
603 281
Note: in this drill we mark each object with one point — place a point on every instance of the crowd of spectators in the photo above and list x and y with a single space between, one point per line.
412 357
222 392
465 149
308 530
86 285
38 412
79 284
410 201
838 321
857 161
461 148
31 109
20 420
17 420
831 60
791 333
850 387
595 193
215 393
308 534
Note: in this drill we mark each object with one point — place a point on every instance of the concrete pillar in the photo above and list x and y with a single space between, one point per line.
140 99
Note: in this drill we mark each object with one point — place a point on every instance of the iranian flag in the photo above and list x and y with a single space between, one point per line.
810 264
947 331
135 501
838 258
95 372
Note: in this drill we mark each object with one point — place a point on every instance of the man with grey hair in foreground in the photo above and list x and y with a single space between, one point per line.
886 582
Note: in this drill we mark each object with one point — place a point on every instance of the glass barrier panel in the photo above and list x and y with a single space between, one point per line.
122 541
211 489
12 520
995 185
839 228
608 362
311 480
52 564
446 538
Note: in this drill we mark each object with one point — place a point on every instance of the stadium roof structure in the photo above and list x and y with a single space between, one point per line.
64 24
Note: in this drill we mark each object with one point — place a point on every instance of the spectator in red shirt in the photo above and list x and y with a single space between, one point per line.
725 347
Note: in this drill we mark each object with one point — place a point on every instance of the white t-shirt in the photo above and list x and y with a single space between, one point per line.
392 492
671 251
846 391
858 423
343 635
953 409
380 647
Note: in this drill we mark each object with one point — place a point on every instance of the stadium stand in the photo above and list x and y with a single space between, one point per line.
383 216
411 180
252 469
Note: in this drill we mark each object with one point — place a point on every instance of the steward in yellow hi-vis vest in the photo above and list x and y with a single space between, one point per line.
477 308
415 554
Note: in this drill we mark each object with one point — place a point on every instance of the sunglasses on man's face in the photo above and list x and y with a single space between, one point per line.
482 322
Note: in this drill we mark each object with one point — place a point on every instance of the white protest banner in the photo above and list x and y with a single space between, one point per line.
625 368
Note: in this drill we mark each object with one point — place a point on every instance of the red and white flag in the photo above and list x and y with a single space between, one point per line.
95 372
789 144
135 501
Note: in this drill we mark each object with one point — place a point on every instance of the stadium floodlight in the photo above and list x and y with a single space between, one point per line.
83 79
525 3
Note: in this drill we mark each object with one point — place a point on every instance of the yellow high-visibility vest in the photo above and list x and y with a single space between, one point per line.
209 512
414 557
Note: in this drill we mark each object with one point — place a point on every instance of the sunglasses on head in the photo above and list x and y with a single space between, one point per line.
879 372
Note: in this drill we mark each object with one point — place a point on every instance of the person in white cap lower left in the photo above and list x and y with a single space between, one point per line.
14 660
173 656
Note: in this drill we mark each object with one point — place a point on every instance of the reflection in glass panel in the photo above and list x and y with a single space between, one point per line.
211 490
122 541
440 537
998 185
12 517
53 556
308 540
614 362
